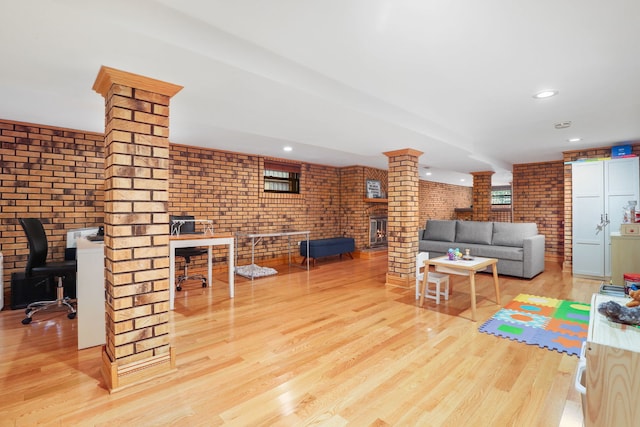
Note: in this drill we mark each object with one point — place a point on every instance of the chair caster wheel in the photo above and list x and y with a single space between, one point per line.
26 320
204 283
178 288
27 311
71 315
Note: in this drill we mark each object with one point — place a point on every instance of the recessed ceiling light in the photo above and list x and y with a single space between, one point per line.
574 139
461 179
428 173
562 125
287 148
545 94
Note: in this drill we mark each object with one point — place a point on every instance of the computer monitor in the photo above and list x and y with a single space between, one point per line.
74 233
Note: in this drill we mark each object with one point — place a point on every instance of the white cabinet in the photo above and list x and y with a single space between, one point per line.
600 191
612 370
90 293
625 257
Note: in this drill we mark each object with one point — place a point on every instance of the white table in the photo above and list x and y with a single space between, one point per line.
465 268
191 240
256 237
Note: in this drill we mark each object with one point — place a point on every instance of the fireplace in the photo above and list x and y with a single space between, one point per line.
377 231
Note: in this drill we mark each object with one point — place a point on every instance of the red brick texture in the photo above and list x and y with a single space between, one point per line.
439 201
136 223
482 196
57 175
538 196
50 173
403 195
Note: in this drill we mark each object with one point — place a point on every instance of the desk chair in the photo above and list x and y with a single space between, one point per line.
188 227
437 278
37 266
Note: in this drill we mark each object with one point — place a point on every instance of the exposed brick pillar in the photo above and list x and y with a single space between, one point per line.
403 189
482 195
136 227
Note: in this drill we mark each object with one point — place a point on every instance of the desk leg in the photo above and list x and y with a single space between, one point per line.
232 285
423 285
472 282
253 246
172 277
210 266
496 284
307 252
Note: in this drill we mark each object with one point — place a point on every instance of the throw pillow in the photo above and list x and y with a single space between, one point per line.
474 232
512 234
440 230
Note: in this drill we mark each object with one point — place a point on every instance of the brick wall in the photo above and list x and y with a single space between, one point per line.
50 173
355 209
404 196
57 175
538 196
482 196
228 189
503 214
439 201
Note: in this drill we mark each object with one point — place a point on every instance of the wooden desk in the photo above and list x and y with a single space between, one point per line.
464 268
190 240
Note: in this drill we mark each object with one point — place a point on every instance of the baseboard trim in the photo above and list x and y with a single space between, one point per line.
400 282
118 377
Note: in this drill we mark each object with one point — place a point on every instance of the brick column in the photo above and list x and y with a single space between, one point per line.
136 227
482 195
403 189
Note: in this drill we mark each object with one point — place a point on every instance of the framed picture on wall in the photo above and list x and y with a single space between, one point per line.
374 189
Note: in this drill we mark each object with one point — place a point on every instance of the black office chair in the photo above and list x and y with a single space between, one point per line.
184 224
37 266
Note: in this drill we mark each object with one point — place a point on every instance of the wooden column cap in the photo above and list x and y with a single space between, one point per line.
108 76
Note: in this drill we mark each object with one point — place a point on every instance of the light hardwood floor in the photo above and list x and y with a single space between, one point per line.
329 347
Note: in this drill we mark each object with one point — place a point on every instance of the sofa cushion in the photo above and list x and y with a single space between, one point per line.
434 247
500 252
512 234
474 232
444 231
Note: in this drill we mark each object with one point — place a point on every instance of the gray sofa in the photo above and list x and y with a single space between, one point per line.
517 246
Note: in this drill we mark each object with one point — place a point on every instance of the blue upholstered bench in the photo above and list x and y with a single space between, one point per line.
327 247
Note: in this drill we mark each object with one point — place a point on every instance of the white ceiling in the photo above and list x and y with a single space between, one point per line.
342 81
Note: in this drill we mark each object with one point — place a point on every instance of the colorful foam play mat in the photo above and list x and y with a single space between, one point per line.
546 322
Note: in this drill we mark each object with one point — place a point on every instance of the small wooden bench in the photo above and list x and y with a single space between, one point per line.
327 247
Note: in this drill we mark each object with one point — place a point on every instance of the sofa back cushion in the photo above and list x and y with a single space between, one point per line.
444 231
513 233
474 232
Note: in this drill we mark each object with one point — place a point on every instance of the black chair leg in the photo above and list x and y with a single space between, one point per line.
186 276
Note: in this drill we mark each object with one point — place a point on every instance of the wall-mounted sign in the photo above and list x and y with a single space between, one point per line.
374 189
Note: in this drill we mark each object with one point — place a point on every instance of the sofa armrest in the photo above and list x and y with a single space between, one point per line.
421 234
533 248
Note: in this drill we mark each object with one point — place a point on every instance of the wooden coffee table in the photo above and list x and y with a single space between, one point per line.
465 268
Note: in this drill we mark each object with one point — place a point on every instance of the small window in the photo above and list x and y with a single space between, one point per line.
281 177
501 196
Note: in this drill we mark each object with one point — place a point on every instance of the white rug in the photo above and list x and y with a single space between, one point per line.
254 271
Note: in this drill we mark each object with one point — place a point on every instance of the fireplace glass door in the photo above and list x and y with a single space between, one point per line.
377 231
